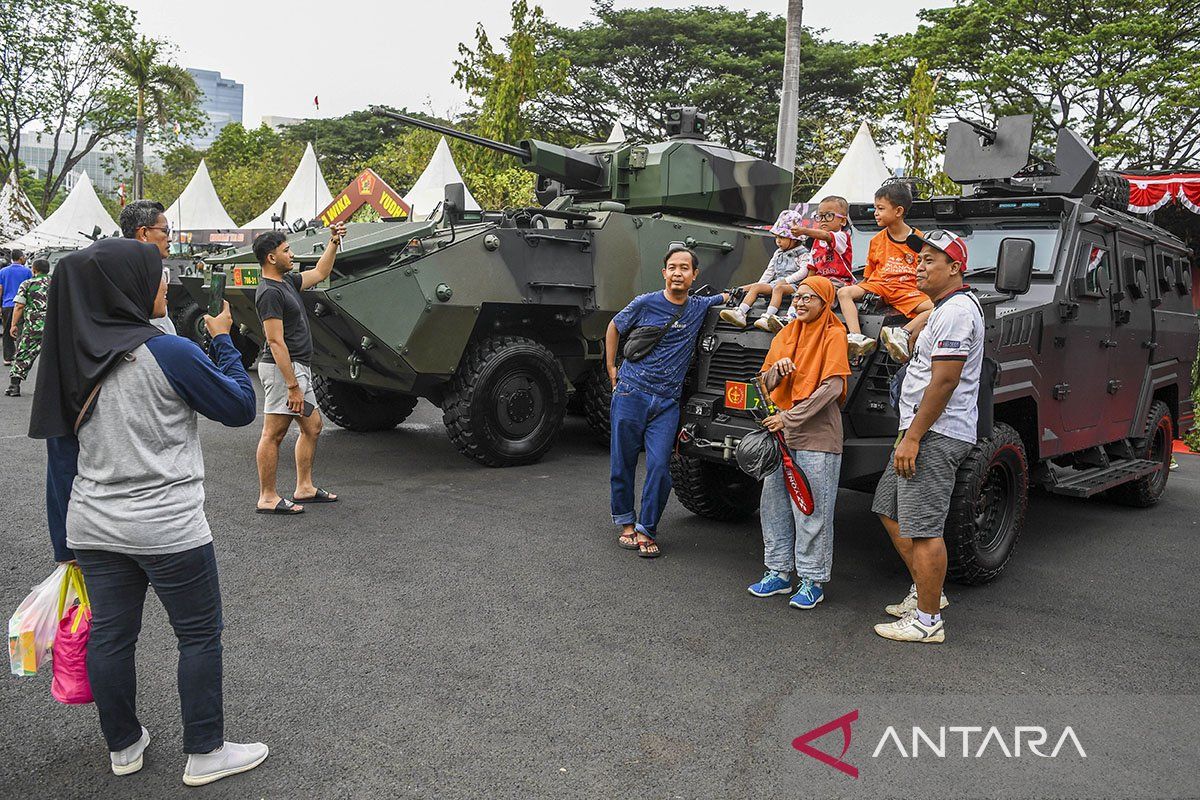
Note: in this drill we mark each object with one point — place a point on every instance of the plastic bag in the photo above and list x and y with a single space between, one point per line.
32 628
70 684
758 454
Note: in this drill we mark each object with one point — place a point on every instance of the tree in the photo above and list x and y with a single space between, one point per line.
160 87
920 137
345 145
630 64
1125 74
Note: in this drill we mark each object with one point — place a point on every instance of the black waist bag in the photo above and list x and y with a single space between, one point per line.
642 339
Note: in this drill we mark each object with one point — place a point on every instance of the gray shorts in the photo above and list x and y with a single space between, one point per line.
921 503
275 387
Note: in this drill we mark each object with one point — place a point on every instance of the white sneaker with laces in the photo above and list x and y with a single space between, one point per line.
129 760
859 345
910 629
229 759
734 316
909 603
896 342
769 323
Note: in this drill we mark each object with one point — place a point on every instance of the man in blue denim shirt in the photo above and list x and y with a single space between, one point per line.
645 400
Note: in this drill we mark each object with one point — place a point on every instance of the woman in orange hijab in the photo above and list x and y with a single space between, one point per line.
805 372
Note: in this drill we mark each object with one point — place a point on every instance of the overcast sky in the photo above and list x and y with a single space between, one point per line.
399 52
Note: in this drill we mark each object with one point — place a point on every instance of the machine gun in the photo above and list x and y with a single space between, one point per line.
1000 160
684 174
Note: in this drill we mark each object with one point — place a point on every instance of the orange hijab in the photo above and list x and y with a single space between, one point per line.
818 349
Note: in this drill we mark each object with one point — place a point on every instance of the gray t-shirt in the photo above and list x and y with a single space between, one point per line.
281 300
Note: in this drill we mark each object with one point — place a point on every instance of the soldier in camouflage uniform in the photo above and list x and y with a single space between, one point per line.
29 309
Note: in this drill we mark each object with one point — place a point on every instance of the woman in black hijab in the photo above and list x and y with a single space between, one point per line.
116 401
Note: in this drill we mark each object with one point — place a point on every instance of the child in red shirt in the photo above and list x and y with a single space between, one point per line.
832 254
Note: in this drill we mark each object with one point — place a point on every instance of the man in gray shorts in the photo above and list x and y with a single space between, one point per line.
938 420
284 369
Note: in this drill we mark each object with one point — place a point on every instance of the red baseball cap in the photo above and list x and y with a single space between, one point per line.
947 242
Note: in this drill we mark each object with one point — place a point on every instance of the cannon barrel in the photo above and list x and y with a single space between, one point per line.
573 168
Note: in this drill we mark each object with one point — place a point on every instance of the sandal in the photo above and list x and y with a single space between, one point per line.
649 549
628 541
321 496
284 506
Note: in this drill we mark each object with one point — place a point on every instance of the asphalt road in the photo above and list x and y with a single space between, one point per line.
452 631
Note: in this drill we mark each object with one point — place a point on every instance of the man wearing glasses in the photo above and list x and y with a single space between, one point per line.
146 221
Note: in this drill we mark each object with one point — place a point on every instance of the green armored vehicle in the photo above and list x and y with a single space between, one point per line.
1088 313
499 316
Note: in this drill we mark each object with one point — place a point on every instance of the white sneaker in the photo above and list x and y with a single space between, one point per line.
734 316
859 345
129 760
910 629
229 759
769 323
909 603
896 342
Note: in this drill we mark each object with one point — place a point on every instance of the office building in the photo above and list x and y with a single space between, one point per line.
222 103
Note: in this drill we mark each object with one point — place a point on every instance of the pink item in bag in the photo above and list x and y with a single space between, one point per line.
70 684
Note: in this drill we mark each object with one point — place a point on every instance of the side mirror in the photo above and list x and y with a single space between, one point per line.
455 200
1014 266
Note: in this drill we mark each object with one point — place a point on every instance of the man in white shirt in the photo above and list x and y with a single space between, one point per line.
938 420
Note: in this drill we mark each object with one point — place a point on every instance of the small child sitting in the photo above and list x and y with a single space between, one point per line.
784 272
832 251
891 273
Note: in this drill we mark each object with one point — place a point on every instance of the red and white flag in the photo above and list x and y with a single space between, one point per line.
317 101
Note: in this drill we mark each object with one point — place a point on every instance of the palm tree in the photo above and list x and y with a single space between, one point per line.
159 84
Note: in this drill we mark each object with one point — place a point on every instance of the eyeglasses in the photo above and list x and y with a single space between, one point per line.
829 216
805 299
164 228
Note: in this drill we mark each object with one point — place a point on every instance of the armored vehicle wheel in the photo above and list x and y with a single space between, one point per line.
1154 445
714 491
597 397
506 403
987 509
357 408
189 322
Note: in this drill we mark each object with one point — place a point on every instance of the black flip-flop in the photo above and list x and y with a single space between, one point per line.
633 545
321 496
284 506
644 552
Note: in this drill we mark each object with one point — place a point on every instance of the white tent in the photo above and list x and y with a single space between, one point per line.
859 174
199 208
618 133
17 214
79 214
430 188
306 194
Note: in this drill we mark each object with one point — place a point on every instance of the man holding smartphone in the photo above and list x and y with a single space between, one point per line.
284 369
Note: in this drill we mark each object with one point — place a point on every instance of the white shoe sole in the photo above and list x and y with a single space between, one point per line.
863 349
896 348
820 599
201 780
937 638
784 590
133 766
737 323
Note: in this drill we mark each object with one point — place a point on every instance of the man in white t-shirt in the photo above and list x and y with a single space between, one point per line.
938 420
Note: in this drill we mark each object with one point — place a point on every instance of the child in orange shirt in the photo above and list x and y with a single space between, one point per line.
891 273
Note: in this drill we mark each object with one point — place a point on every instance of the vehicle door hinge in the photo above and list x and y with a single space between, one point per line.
1108 343
1150 345
1114 385
1061 391
1068 309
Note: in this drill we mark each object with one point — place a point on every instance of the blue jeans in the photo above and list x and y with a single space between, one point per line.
187 585
791 540
641 421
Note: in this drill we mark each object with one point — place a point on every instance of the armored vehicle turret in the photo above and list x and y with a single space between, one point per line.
499 316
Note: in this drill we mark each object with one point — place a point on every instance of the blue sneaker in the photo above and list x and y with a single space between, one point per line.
808 595
772 583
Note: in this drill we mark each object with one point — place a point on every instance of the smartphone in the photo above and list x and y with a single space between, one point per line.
309 408
216 293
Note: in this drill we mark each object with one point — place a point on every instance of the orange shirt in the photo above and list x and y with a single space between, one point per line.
891 261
